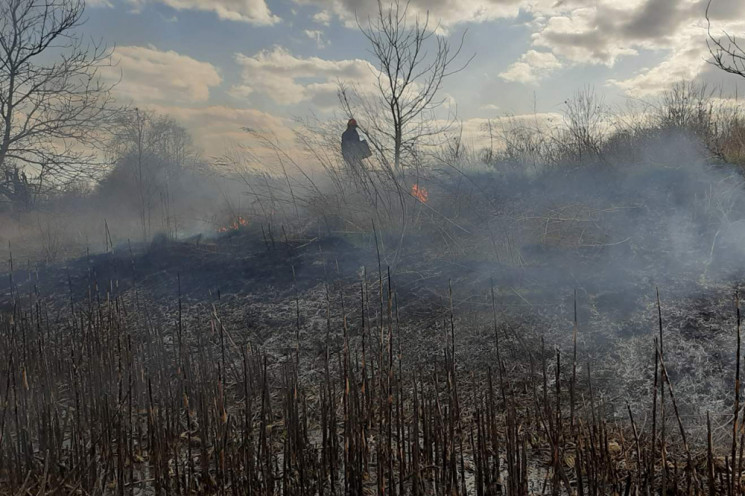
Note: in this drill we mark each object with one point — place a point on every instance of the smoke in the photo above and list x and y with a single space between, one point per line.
119 213
661 214
658 212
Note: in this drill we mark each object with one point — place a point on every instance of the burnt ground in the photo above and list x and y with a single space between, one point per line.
267 293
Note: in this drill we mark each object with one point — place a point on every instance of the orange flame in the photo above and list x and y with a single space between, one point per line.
420 193
233 226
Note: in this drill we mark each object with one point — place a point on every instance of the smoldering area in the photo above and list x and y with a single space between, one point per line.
664 216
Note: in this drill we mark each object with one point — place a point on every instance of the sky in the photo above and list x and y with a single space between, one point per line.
218 66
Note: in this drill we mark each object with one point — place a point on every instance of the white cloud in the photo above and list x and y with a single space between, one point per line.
323 17
686 62
447 12
531 67
287 79
577 38
317 36
250 11
216 127
151 75
580 32
607 30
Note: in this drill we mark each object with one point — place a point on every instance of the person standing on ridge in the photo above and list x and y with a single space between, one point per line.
353 149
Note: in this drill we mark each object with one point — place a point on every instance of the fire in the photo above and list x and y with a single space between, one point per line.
233 226
420 193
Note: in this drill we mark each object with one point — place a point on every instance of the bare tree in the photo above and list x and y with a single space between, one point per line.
412 63
149 152
52 102
585 125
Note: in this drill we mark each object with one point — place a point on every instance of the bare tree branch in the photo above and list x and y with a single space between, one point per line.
726 52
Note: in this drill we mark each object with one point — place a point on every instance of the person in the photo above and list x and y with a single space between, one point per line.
353 149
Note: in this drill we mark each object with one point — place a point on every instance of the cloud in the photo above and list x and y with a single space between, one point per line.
686 62
531 67
151 75
250 11
287 79
323 17
579 32
688 55
216 127
607 30
447 12
317 36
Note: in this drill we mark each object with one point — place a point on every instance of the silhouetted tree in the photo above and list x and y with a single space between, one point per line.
52 103
412 61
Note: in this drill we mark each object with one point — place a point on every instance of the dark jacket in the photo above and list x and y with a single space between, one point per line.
350 144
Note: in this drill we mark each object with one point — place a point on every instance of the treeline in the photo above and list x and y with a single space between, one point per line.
590 132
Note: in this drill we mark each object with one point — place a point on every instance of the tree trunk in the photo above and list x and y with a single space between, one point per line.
397 150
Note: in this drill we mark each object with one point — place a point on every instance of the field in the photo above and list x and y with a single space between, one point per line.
249 364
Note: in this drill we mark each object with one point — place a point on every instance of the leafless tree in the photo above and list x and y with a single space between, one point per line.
585 125
148 152
413 61
52 102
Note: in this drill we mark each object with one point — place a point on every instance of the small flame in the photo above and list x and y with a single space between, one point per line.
420 193
233 226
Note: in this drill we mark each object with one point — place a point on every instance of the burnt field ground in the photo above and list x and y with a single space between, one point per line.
272 363
493 332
